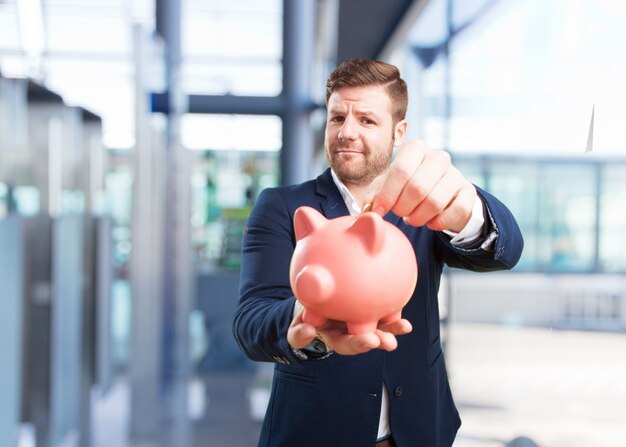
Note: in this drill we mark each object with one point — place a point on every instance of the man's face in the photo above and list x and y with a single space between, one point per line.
360 133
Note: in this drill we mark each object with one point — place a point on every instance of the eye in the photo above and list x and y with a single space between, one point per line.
336 119
368 121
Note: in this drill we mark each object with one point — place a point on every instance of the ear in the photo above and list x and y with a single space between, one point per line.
306 220
369 227
399 132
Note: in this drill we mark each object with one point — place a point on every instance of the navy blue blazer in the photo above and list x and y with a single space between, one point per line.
336 401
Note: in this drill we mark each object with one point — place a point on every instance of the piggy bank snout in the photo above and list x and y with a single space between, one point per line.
314 284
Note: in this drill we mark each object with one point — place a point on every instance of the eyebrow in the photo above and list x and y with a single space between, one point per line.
365 113
358 112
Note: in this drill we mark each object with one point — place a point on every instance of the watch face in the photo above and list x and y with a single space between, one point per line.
318 345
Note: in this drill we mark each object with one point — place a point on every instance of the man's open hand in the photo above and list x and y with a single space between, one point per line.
337 338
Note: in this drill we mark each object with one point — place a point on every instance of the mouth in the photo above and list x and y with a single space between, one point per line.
348 151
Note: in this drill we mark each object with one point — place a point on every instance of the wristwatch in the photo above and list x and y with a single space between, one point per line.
316 350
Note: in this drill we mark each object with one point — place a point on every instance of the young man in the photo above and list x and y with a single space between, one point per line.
389 387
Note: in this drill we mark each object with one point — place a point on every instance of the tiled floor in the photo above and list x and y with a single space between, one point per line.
227 421
556 388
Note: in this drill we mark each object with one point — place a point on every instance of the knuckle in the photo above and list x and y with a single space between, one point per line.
444 156
415 188
384 199
401 171
437 204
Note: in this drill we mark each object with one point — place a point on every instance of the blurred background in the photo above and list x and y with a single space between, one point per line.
136 135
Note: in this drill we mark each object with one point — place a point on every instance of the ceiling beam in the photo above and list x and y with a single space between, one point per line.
365 26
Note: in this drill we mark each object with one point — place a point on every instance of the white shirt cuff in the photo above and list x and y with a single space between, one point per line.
474 227
297 307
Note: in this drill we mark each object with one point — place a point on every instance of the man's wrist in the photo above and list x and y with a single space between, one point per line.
473 230
316 350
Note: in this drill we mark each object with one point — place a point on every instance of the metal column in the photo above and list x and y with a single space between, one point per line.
177 269
298 58
11 346
146 262
161 257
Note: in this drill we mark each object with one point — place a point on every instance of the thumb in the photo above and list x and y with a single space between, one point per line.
300 334
368 203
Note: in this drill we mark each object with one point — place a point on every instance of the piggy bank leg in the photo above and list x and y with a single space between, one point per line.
361 328
312 318
392 317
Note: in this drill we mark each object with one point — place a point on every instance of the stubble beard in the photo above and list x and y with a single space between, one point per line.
359 172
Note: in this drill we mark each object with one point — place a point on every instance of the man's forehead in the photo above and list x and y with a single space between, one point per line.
363 99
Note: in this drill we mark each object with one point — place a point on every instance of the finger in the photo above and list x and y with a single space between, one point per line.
388 341
367 203
438 199
408 158
301 335
398 327
425 178
458 213
349 344
362 343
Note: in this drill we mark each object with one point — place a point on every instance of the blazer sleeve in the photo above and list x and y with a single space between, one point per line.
265 308
501 248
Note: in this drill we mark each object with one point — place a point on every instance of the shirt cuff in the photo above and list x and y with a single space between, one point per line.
474 227
297 307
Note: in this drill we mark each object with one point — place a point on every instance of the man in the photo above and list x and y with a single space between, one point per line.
389 387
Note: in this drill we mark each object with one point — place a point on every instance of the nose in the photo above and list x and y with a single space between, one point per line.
348 130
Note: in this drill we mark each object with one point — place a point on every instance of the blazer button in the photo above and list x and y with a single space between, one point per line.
397 391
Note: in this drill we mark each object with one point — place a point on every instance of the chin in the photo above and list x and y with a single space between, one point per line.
344 168
353 176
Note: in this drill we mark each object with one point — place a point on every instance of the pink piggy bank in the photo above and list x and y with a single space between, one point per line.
357 269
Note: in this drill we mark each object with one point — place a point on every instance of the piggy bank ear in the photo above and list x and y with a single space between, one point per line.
369 227
306 220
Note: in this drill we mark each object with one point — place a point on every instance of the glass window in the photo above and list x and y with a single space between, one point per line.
613 219
528 75
522 82
9 31
4 205
218 57
567 217
433 104
27 200
68 32
517 184
431 29
247 77
237 132
472 168
557 215
225 185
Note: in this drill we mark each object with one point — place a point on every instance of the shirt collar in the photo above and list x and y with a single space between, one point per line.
353 207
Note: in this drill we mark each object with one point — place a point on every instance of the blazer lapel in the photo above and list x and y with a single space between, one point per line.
332 204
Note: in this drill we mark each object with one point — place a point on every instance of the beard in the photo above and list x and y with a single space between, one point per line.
358 170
